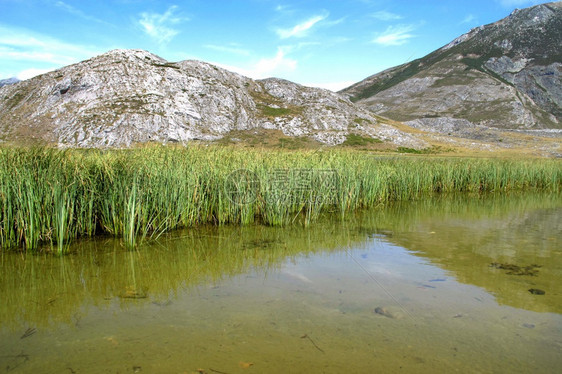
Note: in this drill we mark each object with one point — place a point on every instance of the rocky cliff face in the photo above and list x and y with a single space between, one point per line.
503 75
125 97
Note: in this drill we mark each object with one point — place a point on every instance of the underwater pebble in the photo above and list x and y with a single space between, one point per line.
383 311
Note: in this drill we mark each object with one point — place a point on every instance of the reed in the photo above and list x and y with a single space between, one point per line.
55 196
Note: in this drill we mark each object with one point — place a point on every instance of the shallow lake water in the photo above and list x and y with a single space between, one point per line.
439 285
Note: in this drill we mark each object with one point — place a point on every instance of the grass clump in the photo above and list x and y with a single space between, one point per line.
355 140
423 151
51 197
273 112
294 142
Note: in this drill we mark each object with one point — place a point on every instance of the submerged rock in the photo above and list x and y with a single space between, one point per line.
389 312
536 291
511 269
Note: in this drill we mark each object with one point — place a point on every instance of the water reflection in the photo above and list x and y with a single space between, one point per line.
460 236
505 244
403 288
45 290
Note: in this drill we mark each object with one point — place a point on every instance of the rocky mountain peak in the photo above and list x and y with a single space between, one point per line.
124 97
505 75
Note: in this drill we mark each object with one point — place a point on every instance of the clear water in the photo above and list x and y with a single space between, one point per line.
302 300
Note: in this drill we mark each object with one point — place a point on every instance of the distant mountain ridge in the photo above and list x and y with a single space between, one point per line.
504 75
473 92
6 82
125 97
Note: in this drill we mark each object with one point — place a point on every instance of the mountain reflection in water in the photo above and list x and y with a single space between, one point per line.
420 286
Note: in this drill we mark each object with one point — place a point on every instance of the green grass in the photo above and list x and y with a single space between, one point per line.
272 112
294 142
423 151
48 197
355 140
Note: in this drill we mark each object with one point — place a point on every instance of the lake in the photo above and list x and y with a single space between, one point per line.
458 283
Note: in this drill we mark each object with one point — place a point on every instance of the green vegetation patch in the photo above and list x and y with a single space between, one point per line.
15 100
298 142
423 151
361 121
50 197
268 111
167 65
355 140
272 107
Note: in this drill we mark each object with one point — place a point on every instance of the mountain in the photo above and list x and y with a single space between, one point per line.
125 97
504 75
6 82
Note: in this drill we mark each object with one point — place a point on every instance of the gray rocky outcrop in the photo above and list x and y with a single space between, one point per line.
125 97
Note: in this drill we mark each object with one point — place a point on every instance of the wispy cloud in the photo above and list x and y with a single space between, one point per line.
332 86
341 39
383 15
334 22
394 35
301 29
32 72
468 19
233 49
25 47
77 12
282 8
517 3
267 67
160 26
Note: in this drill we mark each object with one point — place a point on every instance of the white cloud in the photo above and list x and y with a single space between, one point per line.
468 19
77 12
33 72
159 26
341 39
394 35
23 45
518 3
334 22
235 69
24 53
332 86
267 67
42 56
301 29
233 49
383 15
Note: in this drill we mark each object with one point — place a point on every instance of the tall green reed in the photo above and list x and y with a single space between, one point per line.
55 196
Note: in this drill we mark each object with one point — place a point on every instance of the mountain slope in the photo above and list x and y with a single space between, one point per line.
125 97
504 75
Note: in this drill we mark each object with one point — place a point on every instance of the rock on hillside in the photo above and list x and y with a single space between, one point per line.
504 75
125 97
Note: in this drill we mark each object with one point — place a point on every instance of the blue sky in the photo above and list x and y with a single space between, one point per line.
328 43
